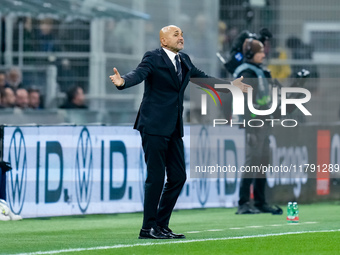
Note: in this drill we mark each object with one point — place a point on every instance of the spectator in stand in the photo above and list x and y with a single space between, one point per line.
2 38
66 74
75 99
8 98
74 35
46 40
1 92
34 98
14 78
21 98
2 79
28 34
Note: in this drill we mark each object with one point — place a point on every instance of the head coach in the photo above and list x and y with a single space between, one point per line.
166 73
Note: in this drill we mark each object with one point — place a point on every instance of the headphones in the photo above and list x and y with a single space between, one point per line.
249 54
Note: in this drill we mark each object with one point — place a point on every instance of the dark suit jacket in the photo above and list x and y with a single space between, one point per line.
162 104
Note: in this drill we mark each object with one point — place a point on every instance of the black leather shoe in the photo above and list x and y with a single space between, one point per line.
168 231
153 234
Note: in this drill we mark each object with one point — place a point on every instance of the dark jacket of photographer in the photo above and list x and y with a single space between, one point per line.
261 81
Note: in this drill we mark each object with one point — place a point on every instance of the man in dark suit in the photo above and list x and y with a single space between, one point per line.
166 73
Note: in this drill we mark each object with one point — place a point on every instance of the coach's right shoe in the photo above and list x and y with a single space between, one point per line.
168 231
153 233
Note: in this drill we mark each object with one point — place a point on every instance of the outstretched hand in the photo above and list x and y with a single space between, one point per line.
238 83
116 79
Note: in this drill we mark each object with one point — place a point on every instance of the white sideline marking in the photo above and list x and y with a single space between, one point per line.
194 232
213 230
277 225
237 228
171 242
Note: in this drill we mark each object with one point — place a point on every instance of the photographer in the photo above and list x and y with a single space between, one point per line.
257 139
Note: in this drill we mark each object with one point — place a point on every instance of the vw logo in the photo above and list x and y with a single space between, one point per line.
84 170
203 159
17 178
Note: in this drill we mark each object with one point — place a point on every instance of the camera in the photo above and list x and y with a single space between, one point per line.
236 55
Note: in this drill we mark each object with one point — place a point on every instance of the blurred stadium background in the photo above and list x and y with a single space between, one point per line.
62 43
57 45
75 42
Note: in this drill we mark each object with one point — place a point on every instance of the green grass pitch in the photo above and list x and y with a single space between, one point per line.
208 231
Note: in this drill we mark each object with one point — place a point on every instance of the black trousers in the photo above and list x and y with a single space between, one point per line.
257 153
162 155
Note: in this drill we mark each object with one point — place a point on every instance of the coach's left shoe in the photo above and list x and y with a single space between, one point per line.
168 231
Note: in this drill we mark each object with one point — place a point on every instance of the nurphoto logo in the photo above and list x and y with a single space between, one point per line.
238 105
